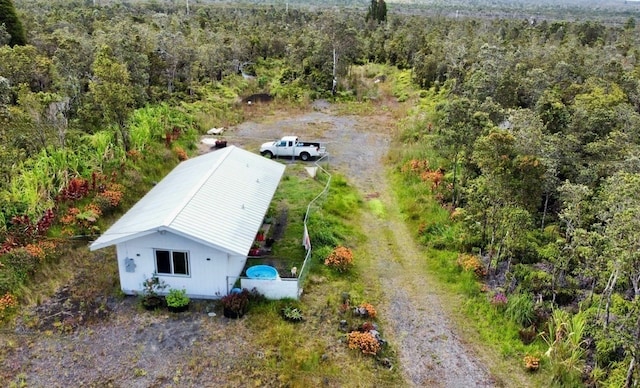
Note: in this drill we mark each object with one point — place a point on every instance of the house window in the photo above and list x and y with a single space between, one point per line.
172 262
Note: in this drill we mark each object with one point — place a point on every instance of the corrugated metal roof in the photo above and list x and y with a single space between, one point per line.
218 199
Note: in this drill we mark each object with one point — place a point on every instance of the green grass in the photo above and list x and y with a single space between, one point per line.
314 352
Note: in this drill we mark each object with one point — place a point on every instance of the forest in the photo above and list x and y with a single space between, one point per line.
525 130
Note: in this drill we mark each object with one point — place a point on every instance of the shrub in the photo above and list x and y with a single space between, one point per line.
36 251
472 263
236 302
109 198
181 154
8 303
83 221
366 342
366 310
22 261
153 285
76 189
10 279
520 309
177 298
531 363
340 259
150 288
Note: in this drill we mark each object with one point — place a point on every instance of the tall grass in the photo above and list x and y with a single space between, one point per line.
151 124
565 339
520 309
39 179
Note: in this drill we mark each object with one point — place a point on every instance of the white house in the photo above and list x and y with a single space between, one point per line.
194 229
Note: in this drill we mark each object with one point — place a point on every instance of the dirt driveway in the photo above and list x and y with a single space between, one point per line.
142 350
431 353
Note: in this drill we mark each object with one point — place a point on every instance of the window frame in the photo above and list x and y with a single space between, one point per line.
172 258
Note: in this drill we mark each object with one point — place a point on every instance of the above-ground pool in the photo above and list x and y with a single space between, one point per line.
262 272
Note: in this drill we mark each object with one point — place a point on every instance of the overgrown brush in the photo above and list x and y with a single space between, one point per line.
566 351
520 309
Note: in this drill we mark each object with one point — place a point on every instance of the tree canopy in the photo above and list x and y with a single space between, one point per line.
12 24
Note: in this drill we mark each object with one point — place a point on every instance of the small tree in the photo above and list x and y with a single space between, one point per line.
377 11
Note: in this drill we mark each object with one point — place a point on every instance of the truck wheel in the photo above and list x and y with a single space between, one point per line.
305 156
267 154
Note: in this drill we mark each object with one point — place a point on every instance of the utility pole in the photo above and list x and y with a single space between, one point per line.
187 7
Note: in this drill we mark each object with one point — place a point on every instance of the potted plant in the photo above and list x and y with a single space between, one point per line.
150 298
177 300
235 304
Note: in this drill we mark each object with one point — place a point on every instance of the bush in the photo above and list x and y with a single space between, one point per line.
366 310
10 279
531 363
472 263
22 261
177 298
292 314
236 302
366 342
340 259
8 303
520 309
499 300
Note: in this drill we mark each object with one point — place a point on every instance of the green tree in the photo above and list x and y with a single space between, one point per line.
459 128
12 23
620 216
25 65
377 11
111 91
518 176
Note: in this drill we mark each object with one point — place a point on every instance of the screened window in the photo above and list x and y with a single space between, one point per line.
172 262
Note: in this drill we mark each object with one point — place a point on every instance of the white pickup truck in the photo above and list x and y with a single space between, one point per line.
290 146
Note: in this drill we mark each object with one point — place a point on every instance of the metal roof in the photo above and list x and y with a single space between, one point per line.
218 199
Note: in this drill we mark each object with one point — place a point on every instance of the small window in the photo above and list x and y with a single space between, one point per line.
172 262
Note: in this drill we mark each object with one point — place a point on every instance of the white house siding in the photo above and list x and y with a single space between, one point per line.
208 270
273 289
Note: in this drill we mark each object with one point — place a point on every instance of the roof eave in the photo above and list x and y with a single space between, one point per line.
97 244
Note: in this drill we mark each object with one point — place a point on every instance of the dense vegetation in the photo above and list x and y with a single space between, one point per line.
526 131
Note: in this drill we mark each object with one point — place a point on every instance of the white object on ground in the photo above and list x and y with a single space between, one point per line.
215 131
208 141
